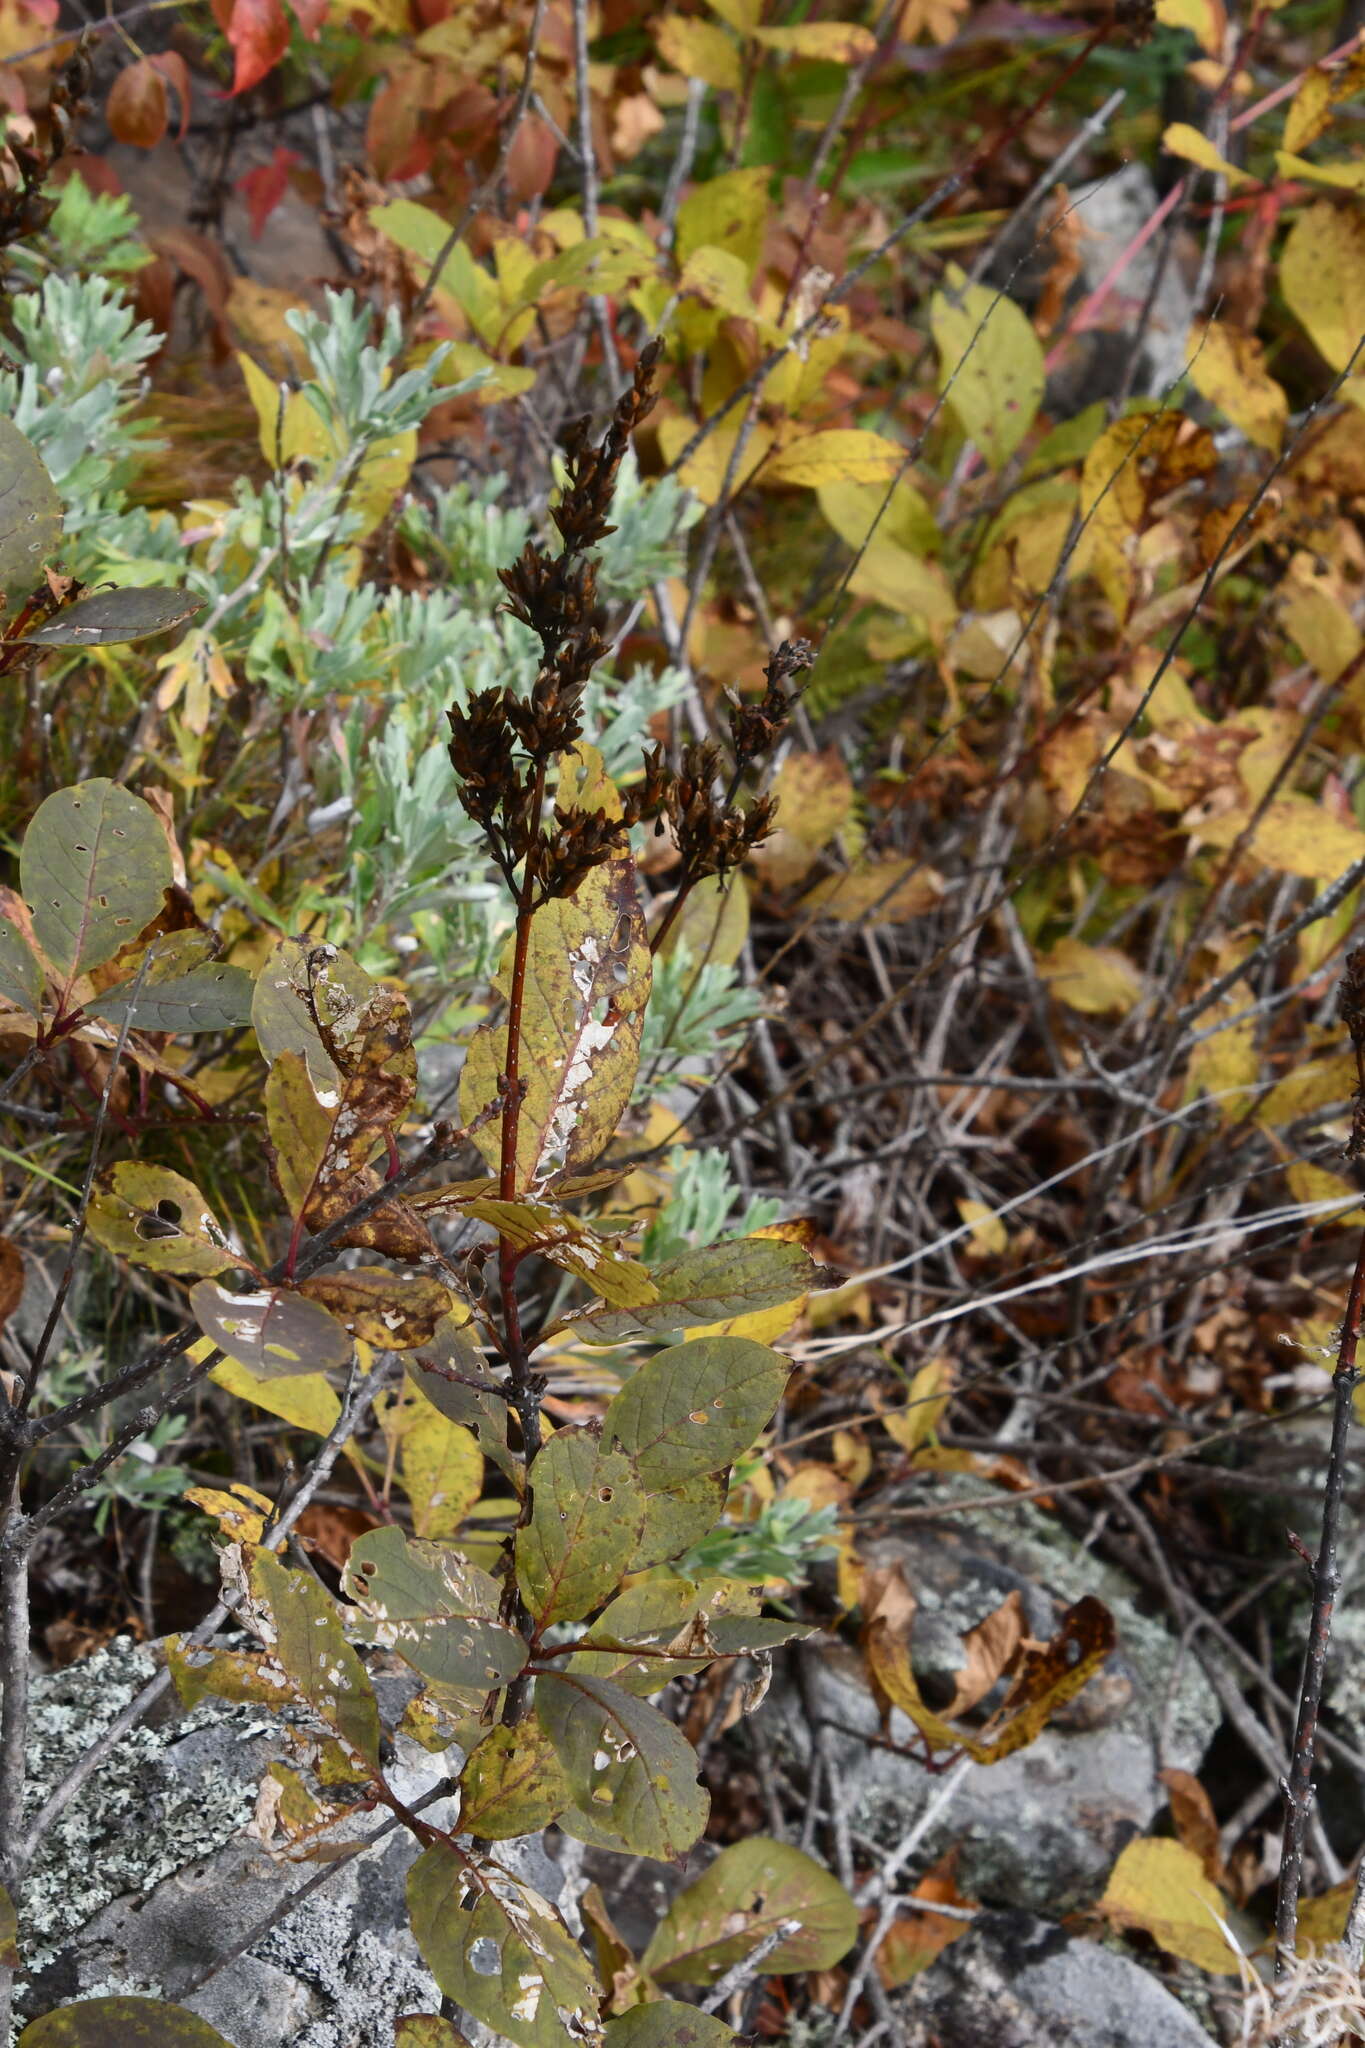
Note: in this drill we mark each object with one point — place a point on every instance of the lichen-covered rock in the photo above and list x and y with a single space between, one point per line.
1014 1981
1043 1828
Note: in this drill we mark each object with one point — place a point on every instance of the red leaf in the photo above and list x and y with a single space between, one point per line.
258 31
264 188
136 111
173 67
310 15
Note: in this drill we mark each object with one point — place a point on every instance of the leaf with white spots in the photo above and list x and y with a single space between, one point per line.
386 1306
741 1898
693 1408
568 1242
158 1219
706 1285
501 1951
436 1612
94 868
275 1334
315 1656
629 1766
587 1514
587 984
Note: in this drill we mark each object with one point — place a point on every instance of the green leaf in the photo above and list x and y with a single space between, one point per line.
298 980
30 517
693 1408
111 617
299 1128
989 350
645 1617
454 1349
121 2023
678 1518
708 1285
587 983
630 1768
315 1656
542 1228
513 1784
587 1514
738 1901
667 2024
95 866
183 989
21 974
275 1334
441 1466
436 1611
160 1220
10 1958
507 1957
221 1674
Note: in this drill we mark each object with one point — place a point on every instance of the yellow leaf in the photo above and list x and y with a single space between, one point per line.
240 1512
930 1392
720 278
287 424
847 455
1161 1888
698 50
1345 174
1228 368
306 1401
1310 111
743 16
1308 1183
1227 1065
1320 622
705 472
823 42
814 797
1206 21
1095 979
886 891
1194 146
1322 276
441 1465
903 518
1313 1086
988 1232
906 583
990 365
257 312
729 213
1296 836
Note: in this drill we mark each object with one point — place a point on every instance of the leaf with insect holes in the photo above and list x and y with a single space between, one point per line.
666 2024
629 1766
303 992
274 1335
184 988
113 617
387 1307
30 518
121 2023
587 1513
513 1784
158 1219
738 1901
693 1408
238 1675
990 364
21 973
94 866
436 1611
315 1656
587 983
704 1286
500 1950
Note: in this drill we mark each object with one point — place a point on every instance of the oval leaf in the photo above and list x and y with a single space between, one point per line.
121 2023
436 1611
30 517
314 1654
587 1515
500 1950
738 1901
273 1335
631 1770
184 988
112 617
707 1286
94 866
158 1219
667 2024
991 364
693 1408
513 1784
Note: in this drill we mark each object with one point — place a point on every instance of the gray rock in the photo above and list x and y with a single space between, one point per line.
1017 1982
1043 1828
1109 214
150 1879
